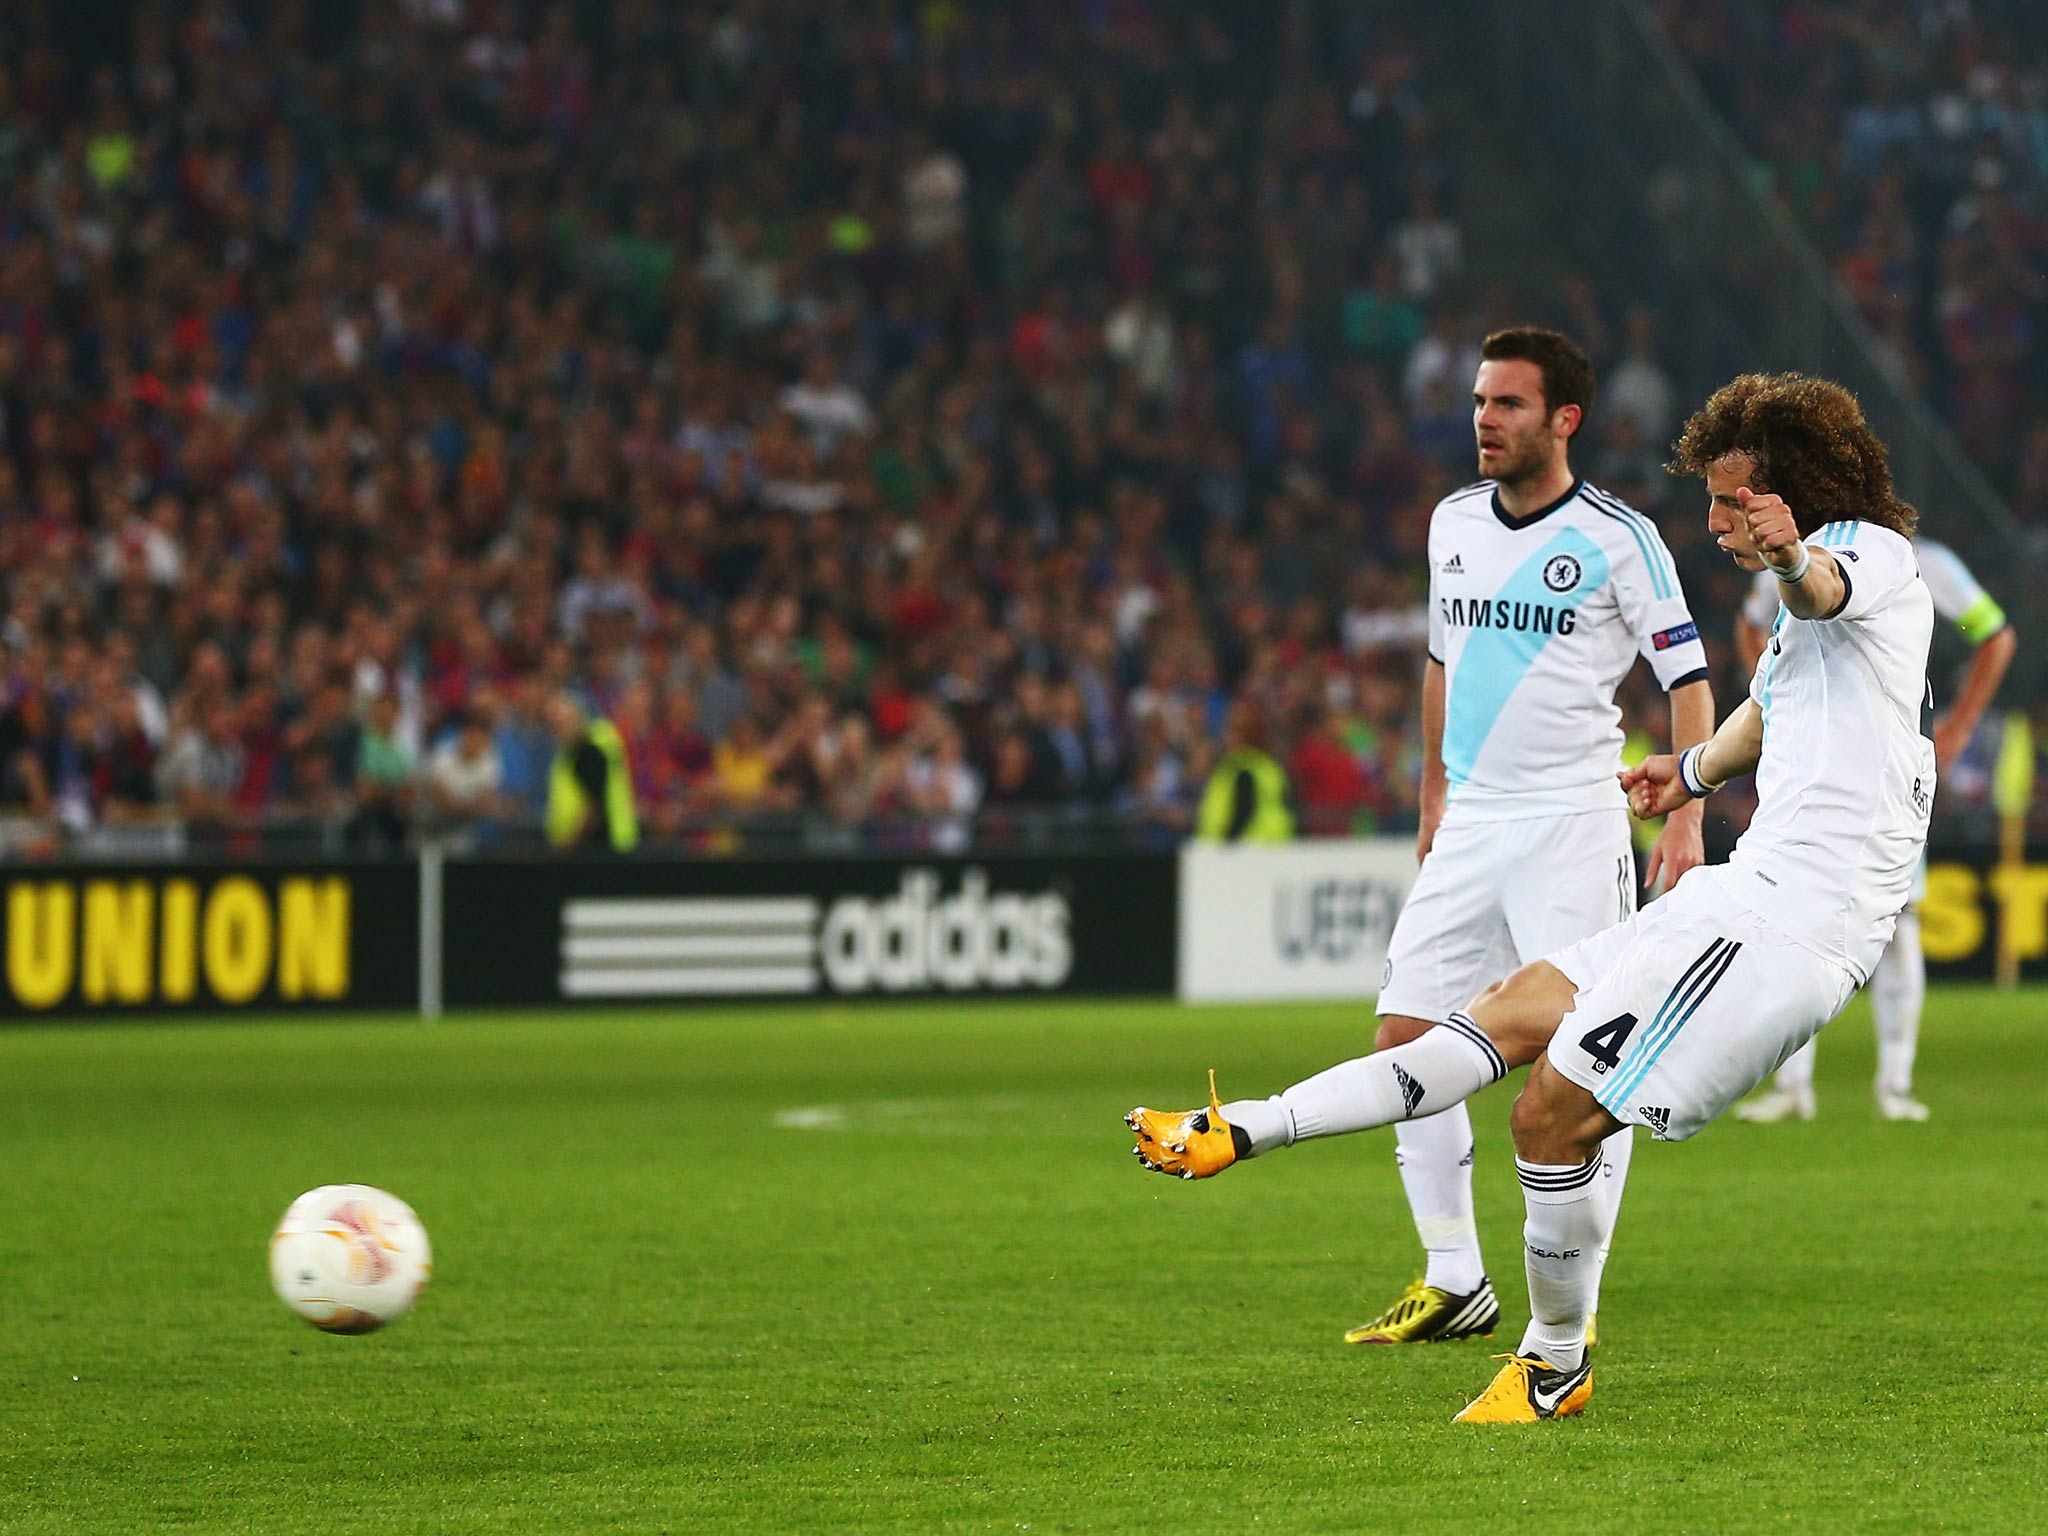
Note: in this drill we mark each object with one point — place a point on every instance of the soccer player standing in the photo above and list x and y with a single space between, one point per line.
1543 591
1898 988
1667 1018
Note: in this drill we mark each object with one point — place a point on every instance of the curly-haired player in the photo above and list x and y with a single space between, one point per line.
1672 1015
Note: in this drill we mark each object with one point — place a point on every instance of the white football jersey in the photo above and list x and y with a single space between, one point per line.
1536 620
1959 598
1846 780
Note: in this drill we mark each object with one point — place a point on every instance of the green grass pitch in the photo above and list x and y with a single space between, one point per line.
894 1269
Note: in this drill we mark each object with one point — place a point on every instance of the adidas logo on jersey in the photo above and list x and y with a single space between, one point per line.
1454 566
1658 1120
1411 1090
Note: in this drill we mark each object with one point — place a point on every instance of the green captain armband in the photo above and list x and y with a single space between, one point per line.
1981 620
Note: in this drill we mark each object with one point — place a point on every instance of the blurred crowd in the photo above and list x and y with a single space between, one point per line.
873 409
1911 141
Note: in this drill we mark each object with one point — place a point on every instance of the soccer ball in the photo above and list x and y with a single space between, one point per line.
349 1259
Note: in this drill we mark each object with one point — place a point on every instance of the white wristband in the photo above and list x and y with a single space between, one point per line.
1689 773
1798 572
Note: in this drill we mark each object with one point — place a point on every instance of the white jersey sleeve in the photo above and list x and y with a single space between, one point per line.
1437 652
1653 607
1958 596
1875 570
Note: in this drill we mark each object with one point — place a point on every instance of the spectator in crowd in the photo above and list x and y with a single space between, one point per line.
1327 778
384 776
464 774
1247 797
590 804
200 769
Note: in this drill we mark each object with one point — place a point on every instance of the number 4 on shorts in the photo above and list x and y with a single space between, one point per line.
1604 1044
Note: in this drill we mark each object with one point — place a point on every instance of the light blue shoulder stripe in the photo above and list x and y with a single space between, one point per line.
1662 585
1656 554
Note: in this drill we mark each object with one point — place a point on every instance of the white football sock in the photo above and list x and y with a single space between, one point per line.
1615 1154
1435 1158
1561 1245
1796 1076
1438 1068
1898 987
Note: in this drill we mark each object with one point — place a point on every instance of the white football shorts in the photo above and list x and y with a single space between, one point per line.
1685 1007
1494 895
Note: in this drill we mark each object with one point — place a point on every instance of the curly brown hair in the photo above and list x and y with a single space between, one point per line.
1808 442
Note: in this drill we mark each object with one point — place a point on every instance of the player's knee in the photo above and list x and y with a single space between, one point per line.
1398 1029
1520 1013
1530 1117
1555 1121
1534 1117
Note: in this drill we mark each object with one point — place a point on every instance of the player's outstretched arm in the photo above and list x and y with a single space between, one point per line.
1659 785
1980 686
1812 583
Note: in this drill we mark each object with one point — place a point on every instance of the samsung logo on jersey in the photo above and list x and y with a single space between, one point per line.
1499 613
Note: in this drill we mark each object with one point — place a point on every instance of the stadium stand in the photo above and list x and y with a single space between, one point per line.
889 416
1915 153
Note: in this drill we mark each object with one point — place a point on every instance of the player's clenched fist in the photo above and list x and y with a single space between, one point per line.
1771 528
1654 787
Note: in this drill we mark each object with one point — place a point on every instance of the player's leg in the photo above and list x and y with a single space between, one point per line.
1561 1139
1898 990
1506 1027
1435 1160
1453 1299
1790 1096
1701 1008
1568 879
1450 940
1560 1131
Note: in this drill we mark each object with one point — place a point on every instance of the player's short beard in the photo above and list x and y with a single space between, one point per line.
1522 462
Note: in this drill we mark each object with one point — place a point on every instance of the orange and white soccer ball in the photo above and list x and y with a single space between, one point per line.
349 1259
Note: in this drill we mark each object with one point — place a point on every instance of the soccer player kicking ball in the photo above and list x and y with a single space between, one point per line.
1672 1015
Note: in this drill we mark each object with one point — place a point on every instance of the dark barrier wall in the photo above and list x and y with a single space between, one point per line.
1969 897
596 931
154 939
157 938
